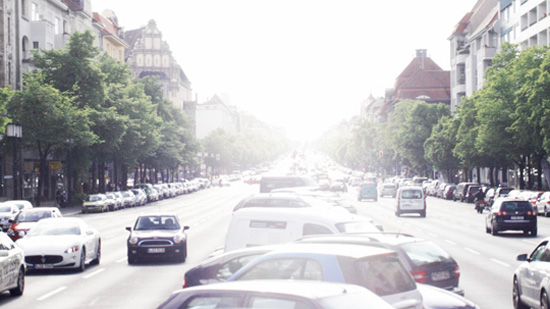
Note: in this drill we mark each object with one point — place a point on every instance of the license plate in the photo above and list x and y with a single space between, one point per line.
441 275
155 250
43 266
516 217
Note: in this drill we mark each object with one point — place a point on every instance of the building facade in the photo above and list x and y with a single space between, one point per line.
109 35
214 114
149 55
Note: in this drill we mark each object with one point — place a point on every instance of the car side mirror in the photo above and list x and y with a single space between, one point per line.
522 257
186 227
129 228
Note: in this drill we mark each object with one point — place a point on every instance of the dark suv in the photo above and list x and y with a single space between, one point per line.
426 261
511 214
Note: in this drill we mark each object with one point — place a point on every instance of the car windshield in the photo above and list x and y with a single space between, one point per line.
516 206
411 194
93 198
425 252
55 229
5 208
383 275
32 216
157 223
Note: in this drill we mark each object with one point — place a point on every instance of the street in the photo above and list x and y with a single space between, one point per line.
487 262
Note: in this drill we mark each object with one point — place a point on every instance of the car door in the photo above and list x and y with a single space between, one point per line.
90 241
529 274
9 261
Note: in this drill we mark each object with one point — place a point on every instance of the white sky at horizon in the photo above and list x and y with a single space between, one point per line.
303 65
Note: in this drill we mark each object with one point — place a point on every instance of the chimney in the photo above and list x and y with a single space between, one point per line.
422 54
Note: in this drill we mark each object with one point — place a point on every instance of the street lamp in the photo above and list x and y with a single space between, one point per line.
16 131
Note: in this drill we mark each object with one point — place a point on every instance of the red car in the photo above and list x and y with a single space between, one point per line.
27 218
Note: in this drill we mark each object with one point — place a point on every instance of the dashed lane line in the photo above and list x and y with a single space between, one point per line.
52 293
500 262
472 251
122 260
94 273
450 242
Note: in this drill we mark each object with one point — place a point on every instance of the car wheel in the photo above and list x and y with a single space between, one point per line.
494 230
544 302
423 214
516 298
97 259
82 266
545 212
534 233
131 260
18 290
397 213
487 229
183 255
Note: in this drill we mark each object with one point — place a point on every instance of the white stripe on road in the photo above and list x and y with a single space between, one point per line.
122 260
500 262
432 235
472 251
93 274
450 242
52 293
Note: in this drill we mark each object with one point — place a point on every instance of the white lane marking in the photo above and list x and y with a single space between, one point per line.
52 293
472 251
530 242
500 262
93 274
450 242
431 234
122 260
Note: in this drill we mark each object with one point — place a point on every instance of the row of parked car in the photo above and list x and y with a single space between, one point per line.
141 194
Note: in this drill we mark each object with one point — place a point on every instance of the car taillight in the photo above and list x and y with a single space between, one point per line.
531 213
457 272
419 276
184 282
502 213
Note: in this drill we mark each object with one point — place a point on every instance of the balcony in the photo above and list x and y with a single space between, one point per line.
487 52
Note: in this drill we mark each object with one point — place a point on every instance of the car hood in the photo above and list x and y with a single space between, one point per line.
155 233
38 245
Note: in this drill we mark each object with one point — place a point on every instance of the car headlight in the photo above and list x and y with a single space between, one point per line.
133 240
178 238
73 249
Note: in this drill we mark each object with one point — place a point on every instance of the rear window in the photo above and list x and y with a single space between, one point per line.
516 206
411 194
425 252
383 275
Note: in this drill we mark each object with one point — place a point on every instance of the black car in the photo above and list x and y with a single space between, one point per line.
426 261
511 214
157 236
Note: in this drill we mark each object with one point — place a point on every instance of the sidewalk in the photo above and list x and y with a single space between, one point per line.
66 211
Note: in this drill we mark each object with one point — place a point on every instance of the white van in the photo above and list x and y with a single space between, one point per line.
251 227
411 200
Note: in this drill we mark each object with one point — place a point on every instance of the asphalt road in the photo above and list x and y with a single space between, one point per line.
486 262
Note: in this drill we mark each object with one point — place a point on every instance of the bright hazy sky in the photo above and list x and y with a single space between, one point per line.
303 65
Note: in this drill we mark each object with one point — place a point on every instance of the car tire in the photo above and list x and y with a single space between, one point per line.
545 212
82 266
97 259
131 260
18 290
494 230
487 229
534 233
516 298
544 301
423 214
397 213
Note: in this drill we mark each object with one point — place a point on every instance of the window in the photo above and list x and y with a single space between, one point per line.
35 45
315 229
34 12
57 25
213 301
384 276
231 267
538 252
279 303
285 268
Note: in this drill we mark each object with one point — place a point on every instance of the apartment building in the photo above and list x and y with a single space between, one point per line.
8 43
528 19
474 43
110 35
215 114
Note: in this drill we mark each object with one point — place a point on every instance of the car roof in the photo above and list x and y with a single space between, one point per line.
302 288
307 213
382 237
348 250
159 213
38 209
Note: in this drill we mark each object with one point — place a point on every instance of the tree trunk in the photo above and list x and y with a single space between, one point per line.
94 184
